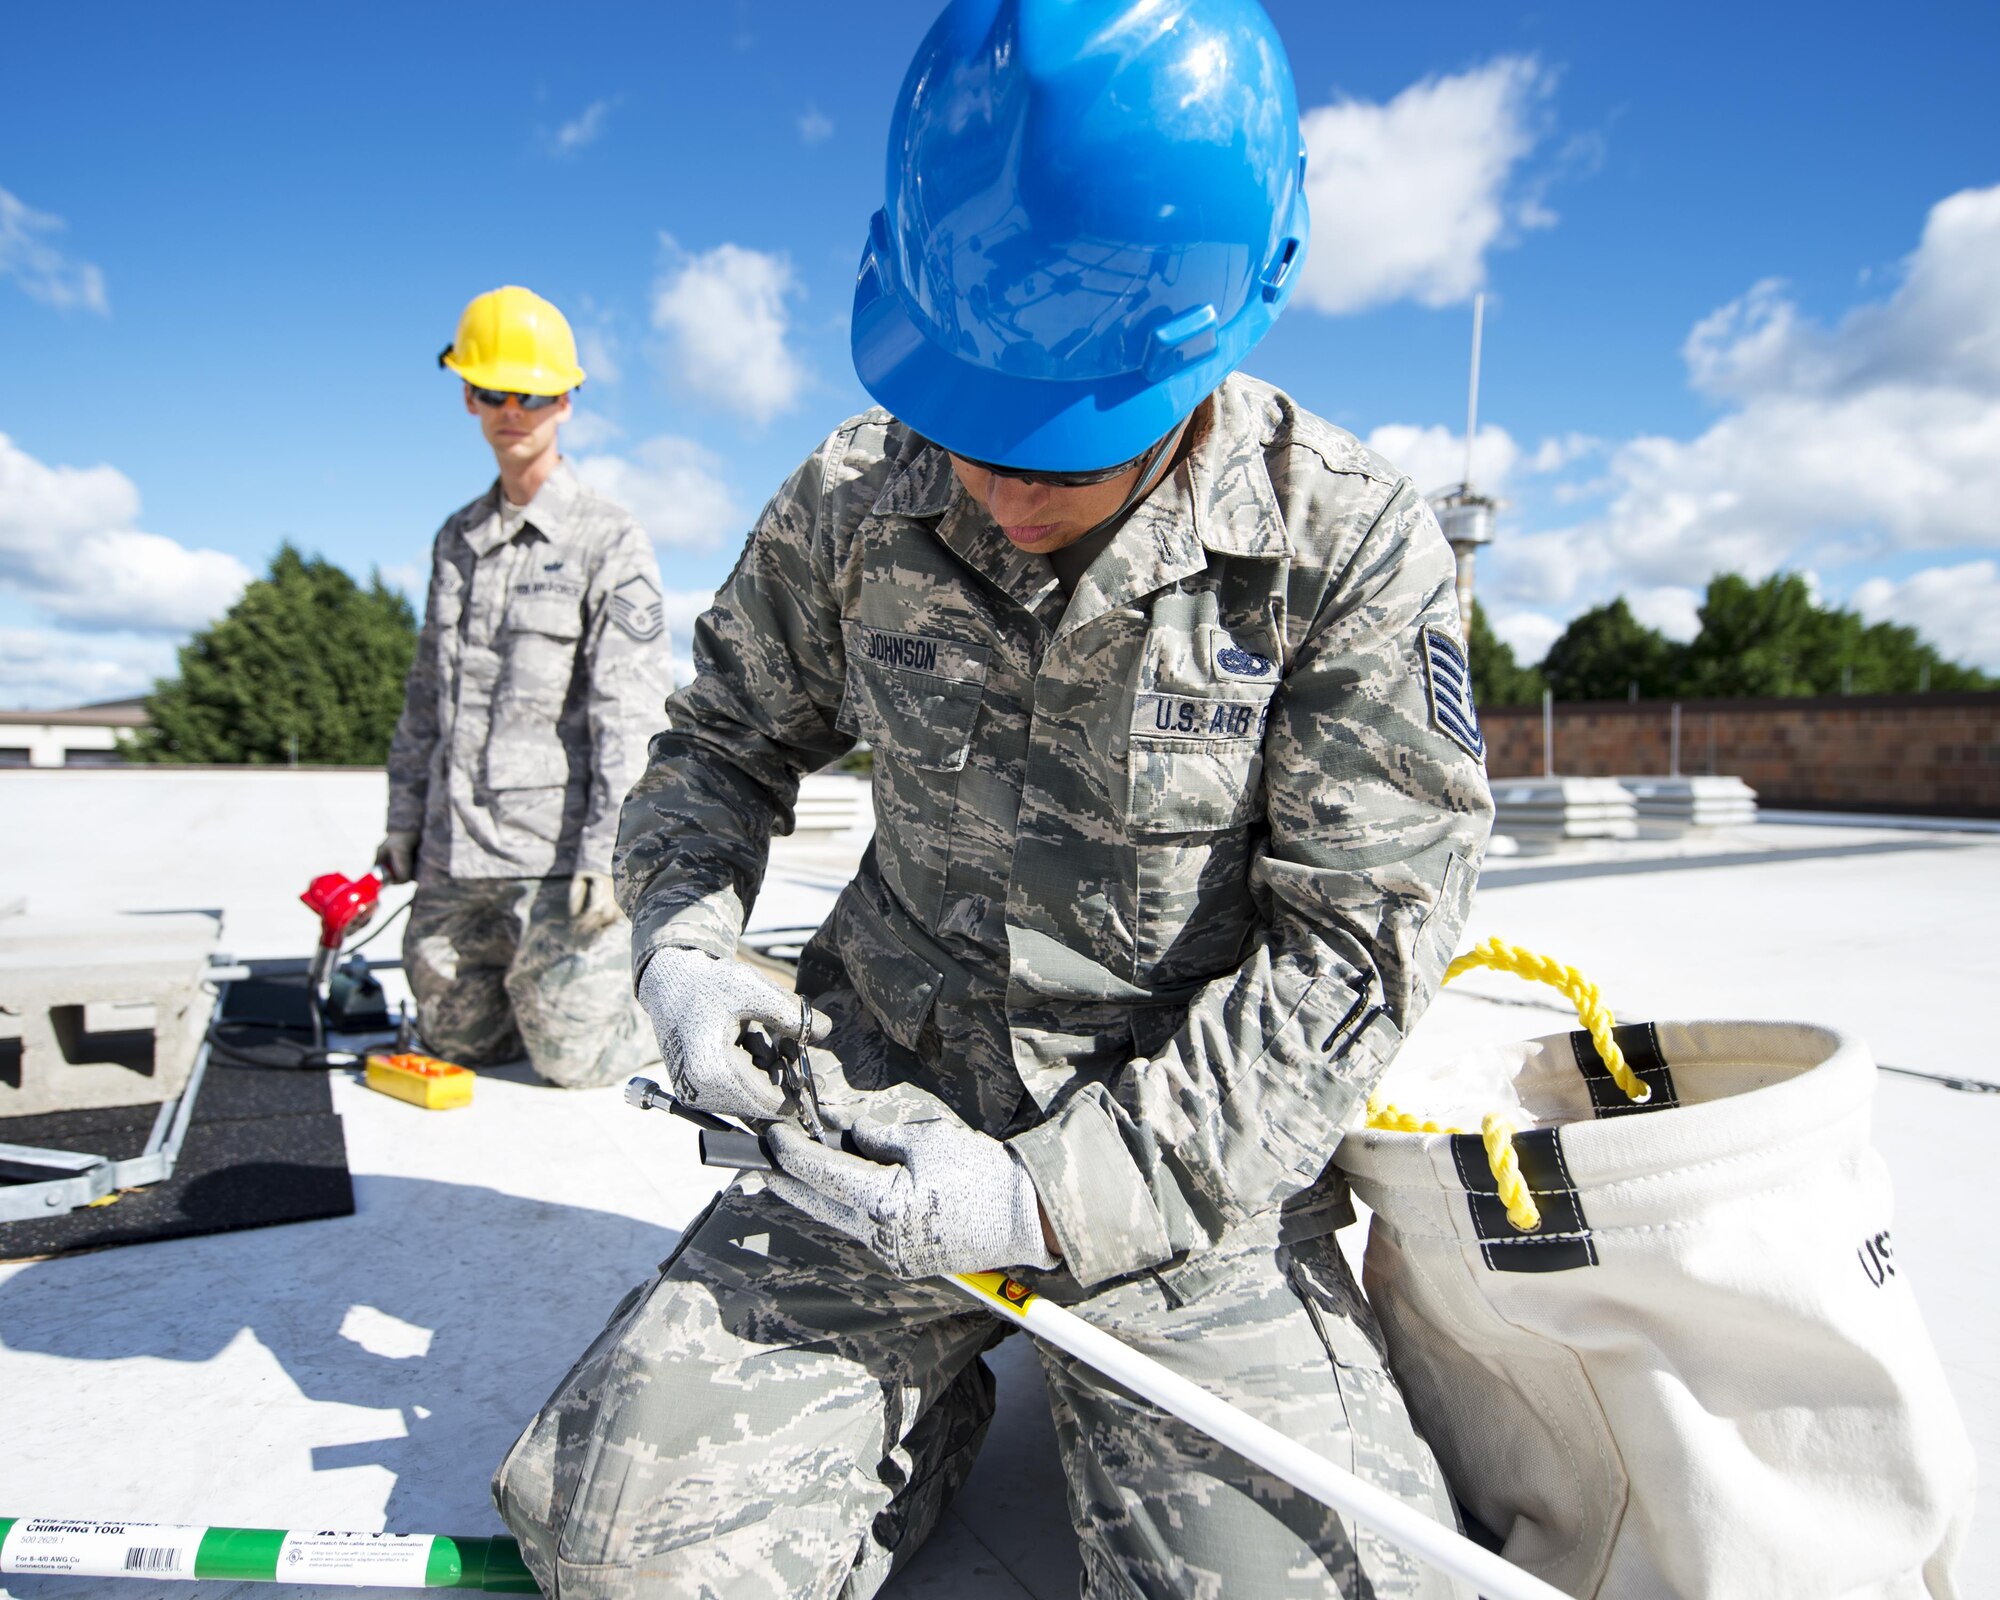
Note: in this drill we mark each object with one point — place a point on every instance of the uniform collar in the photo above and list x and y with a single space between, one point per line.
550 513
1219 501
927 487
1231 497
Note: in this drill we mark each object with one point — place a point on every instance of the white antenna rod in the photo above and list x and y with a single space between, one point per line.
1472 397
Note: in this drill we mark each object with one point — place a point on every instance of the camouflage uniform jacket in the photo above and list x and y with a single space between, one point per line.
1161 877
540 674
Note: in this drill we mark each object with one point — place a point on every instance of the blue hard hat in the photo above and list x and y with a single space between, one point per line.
1095 209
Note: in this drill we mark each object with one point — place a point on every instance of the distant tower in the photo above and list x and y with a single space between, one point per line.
1466 515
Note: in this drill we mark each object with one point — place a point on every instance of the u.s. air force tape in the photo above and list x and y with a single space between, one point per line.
1177 716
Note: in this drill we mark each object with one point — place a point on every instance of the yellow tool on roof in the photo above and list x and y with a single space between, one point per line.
422 1080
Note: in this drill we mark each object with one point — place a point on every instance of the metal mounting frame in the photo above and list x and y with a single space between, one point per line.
81 1179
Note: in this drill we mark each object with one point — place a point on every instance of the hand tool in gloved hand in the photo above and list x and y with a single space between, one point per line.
929 1198
705 1012
1306 1470
592 908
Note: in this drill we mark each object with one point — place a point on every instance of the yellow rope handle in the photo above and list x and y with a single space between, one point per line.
1498 1136
1590 1007
1495 1132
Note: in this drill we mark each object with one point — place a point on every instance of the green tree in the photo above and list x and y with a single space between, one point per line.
1497 678
1773 638
1606 650
306 663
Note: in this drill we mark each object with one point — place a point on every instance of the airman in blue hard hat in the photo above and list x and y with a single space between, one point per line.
1179 802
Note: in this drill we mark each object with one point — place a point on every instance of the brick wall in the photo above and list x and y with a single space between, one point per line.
1932 753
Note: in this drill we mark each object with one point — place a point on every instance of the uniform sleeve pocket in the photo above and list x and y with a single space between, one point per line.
894 982
913 698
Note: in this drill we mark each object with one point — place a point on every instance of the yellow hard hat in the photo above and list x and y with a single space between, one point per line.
515 340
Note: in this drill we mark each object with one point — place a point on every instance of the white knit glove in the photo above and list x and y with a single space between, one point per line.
939 1197
396 855
592 907
699 1007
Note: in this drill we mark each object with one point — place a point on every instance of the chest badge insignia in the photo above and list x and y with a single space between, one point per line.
1243 663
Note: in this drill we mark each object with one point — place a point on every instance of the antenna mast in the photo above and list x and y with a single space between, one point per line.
1465 514
1472 391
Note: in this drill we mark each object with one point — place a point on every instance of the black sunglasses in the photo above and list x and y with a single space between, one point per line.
496 398
1064 480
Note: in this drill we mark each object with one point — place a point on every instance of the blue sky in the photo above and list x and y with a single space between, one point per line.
1743 304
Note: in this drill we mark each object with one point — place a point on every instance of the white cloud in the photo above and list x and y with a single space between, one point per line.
815 126
1527 633
1955 608
673 486
413 580
589 430
1671 609
681 607
67 545
583 130
42 667
724 314
1409 197
1877 434
1434 457
43 272
598 353
1554 454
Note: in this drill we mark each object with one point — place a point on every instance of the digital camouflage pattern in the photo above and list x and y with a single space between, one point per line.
499 971
775 1416
1162 877
539 675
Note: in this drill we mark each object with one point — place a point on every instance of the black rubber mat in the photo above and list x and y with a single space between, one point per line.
263 1147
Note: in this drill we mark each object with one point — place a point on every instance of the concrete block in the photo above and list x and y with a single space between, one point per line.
101 1010
1565 808
834 803
1702 801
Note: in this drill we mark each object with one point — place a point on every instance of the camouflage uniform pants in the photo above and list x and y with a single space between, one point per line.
499 971
774 1415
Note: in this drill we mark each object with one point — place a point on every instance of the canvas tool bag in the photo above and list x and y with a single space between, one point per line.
1687 1364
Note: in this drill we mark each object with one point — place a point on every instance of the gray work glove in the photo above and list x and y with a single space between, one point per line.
591 906
396 855
699 1007
939 1197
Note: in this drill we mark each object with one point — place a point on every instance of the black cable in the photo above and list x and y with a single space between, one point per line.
225 1042
381 928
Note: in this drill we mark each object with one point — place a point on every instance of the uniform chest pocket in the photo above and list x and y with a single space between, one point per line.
537 651
1195 764
552 616
913 697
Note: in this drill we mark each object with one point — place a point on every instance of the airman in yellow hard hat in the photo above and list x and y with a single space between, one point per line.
538 679
511 339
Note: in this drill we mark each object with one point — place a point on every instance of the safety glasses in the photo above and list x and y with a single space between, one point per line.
1064 480
494 399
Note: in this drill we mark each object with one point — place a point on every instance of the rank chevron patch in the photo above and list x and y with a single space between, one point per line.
1451 690
636 607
